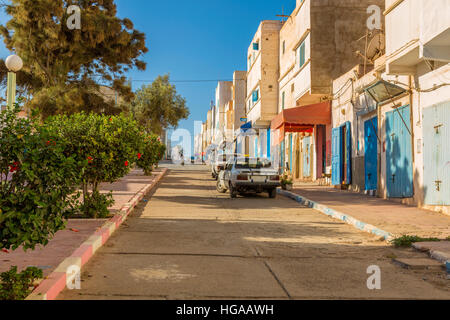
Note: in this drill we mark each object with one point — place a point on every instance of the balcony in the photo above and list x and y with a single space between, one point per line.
416 31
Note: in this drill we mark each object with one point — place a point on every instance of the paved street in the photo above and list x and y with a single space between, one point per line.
190 242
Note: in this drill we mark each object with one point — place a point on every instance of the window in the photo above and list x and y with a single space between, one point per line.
255 96
256 46
301 54
293 87
283 98
284 47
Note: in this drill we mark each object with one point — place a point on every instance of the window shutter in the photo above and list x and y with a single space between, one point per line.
302 54
256 46
255 96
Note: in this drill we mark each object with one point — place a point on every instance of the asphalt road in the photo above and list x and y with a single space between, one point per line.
190 242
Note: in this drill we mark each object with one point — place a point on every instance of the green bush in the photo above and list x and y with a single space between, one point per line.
407 241
105 148
17 286
37 182
152 152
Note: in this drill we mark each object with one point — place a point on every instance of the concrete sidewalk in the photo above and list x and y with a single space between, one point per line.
390 216
67 241
387 219
384 218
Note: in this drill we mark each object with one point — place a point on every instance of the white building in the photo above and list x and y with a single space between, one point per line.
394 121
262 86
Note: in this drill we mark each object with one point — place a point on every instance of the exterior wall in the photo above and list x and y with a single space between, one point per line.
330 32
354 106
209 127
263 74
426 79
270 71
417 31
336 31
239 95
343 110
294 81
424 33
110 94
197 146
383 110
434 23
223 96
406 14
421 23
204 139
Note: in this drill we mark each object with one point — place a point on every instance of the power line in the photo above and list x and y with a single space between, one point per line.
192 81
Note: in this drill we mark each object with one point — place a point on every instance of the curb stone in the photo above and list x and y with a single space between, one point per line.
52 285
338 215
435 254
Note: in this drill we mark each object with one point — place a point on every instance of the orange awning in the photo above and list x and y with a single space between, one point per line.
302 119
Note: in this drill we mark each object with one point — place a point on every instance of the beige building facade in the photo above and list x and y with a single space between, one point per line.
318 43
223 96
262 86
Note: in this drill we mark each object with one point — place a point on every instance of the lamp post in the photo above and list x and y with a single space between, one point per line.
14 64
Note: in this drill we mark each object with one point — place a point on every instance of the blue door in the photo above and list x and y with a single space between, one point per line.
436 153
307 157
348 153
399 168
371 153
336 157
282 150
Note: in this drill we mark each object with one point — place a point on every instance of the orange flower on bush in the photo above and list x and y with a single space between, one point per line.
49 142
14 167
126 163
90 159
139 156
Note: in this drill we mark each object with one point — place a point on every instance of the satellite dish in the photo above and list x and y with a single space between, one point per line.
376 46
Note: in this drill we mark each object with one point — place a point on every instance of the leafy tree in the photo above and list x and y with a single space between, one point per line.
158 106
37 183
63 67
106 146
17 286
152 152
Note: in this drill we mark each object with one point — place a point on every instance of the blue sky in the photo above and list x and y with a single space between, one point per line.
195 40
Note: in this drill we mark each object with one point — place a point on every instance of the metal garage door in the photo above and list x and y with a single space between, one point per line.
436 132
399 168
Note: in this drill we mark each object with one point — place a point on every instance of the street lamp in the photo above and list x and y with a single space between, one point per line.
14 64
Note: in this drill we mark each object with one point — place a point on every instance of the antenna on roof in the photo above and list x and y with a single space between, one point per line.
282 15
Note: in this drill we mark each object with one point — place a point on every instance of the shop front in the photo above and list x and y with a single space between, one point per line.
302 140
